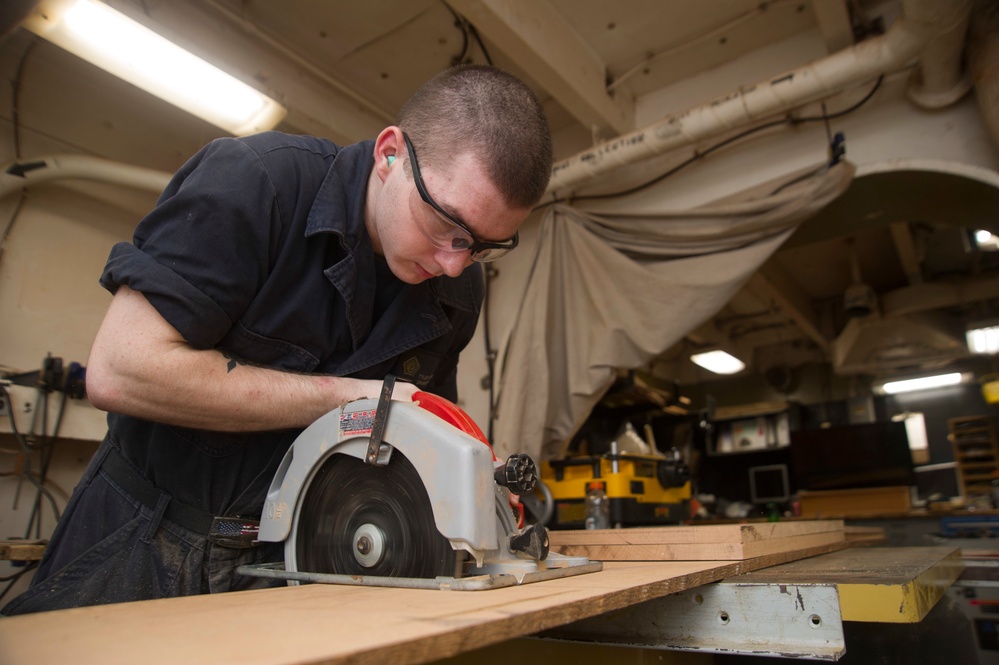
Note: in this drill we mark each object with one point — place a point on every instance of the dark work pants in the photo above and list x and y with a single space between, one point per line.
109 548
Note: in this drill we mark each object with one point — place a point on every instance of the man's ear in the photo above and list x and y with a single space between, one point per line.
388 146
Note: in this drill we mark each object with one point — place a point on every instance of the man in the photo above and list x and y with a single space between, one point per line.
277 278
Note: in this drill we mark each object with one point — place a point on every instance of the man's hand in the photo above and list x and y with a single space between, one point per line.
403 391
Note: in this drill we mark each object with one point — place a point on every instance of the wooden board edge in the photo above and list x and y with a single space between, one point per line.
693 533
698 551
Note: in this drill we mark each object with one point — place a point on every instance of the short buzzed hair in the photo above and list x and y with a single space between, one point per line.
488 112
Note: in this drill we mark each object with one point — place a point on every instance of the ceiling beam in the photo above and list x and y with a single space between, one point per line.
939 295
772 283
535 36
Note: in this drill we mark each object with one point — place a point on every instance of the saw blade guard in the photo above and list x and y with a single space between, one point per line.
455 467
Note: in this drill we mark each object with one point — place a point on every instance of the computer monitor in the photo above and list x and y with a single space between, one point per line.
769 484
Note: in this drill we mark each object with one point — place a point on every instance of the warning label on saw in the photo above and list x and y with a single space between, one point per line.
357 423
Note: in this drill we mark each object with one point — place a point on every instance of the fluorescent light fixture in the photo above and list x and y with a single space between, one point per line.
922 383
983 338
718 362
112 41
986 240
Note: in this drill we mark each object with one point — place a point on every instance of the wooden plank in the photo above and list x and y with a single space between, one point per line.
21 550
324 624
865 535
863 502
696 543
699 551
696 535
878 584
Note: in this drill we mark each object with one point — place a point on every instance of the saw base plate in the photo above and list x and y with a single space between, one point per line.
473 583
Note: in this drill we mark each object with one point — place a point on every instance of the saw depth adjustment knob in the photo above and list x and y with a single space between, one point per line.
518 474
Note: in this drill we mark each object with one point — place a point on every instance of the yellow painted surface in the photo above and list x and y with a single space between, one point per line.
898 601
876 584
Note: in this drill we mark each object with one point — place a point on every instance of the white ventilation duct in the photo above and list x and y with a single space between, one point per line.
931 29
26 173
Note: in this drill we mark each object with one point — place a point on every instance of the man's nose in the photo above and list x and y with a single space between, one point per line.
454 263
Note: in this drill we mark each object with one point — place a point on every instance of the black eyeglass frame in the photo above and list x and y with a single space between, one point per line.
477 245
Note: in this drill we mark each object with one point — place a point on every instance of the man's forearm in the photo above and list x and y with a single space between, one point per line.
140 366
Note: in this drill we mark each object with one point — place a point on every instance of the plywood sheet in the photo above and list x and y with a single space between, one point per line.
324 624
21 550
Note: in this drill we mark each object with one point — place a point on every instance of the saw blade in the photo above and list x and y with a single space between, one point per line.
361 519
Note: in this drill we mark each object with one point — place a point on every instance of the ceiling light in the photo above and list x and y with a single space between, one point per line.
983 338
985 240
922 383
718 362
119 45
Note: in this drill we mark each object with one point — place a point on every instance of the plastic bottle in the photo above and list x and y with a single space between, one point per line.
597 507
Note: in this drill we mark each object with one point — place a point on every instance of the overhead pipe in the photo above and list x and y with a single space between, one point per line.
934 28
26 173
940 80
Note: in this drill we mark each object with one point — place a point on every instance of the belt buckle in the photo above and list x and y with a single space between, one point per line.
234 532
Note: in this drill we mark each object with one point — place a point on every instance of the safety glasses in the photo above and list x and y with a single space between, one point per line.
452 234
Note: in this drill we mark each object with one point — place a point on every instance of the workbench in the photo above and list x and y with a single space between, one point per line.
339 624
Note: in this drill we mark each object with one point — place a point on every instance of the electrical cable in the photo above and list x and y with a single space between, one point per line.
467 29
12 579
482 46
21 440
47 451
15 123
8 578
461 24
44 445
490 351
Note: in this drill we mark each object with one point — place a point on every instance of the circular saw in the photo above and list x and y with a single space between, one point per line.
389 493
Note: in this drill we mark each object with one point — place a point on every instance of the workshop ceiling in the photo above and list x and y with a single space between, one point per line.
344 67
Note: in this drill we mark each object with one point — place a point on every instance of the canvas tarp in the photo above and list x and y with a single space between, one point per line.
610 291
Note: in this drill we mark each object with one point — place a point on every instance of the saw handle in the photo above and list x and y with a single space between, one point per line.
451 413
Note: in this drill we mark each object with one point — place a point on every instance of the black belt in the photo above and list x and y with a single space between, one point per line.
225 531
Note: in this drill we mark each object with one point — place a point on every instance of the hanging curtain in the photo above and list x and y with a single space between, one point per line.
614 290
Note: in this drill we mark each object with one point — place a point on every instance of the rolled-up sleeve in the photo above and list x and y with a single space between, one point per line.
203 252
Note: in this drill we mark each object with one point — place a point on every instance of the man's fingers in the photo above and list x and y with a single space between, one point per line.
404 392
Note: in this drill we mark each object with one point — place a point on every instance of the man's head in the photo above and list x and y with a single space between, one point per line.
470 157
493 115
